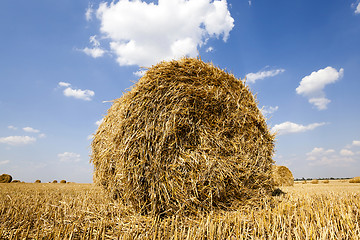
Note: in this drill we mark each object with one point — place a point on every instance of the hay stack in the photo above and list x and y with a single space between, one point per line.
5 178
63 181
314 181
187 137
355 180
55 181
282 176
37 181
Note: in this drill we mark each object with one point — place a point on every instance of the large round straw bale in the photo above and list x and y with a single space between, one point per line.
5 178
37 181
282 176
188 136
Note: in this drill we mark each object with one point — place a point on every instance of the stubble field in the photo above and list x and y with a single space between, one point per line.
81 211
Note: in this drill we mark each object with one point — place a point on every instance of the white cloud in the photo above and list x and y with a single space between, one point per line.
357 10
143 33
321 156
210 49
31 130
139 73
356 143
320 103
17 140
249 2
346 152
95 51
99 122
312 86
4 162
267 110
252 77
64 84
69 157
89 13
42 135
77 93
12 127
290 127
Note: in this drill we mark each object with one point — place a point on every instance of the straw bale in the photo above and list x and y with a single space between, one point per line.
38 181
5 178
282 176
314 181
187 136
55 181
63 181
355 180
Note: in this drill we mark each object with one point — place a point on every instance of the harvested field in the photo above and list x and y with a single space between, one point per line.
81 211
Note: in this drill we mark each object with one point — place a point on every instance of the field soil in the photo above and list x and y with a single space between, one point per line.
81 211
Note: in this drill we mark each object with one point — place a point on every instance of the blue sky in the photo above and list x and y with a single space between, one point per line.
61 61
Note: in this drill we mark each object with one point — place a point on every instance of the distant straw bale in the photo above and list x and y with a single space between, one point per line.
5 178
55 181
63 181
282 176
38 181
314 181
15 181
355 180
187 137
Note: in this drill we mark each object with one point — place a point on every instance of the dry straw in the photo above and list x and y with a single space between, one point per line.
282 176
355 180
314 181
5 178
187 137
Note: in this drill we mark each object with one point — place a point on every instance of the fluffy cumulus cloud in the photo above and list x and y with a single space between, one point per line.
253 77
69 157
312 86
357 9
31 130
267 110
17 140
89 13
290 127
76 93
320 157
143 34
95 51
